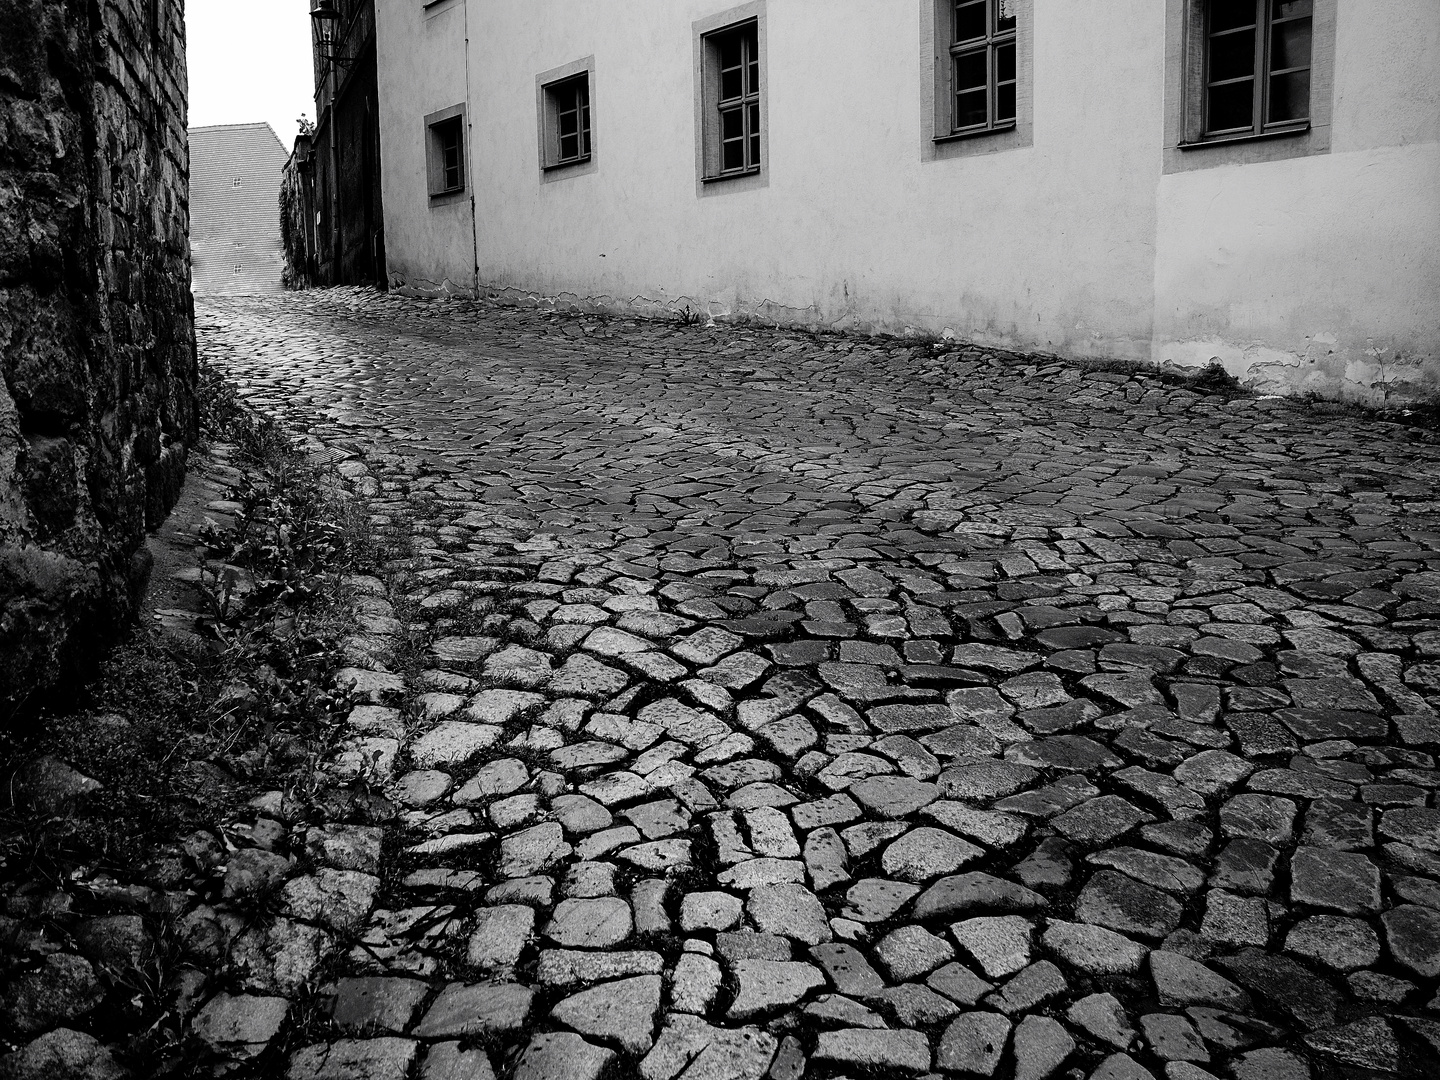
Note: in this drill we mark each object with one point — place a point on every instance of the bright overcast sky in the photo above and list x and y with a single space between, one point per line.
250 61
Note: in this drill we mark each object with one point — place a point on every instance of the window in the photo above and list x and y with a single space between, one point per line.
730 95
239 268
452 166
1247 81
977 68
445 151
235 183
737 60
982 65
565 104
1257 65
567 110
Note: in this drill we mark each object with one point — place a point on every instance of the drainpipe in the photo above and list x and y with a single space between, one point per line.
334 174
470 162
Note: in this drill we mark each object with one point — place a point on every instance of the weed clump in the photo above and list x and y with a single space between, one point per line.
181 734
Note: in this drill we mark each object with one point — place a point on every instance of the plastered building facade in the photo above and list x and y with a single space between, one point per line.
1111 202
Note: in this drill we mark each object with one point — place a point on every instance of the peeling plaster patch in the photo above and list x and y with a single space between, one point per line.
1324 368
428 289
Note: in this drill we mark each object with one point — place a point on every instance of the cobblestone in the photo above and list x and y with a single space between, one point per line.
1124 691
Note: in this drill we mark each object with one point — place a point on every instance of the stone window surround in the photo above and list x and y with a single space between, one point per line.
550 172
707 148
1185 148
937 141
433 165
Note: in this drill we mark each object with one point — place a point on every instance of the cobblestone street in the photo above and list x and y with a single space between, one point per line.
756 704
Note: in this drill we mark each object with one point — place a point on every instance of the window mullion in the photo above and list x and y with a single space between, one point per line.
992 74
1262 57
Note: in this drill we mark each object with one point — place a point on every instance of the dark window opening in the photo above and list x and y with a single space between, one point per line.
983 67
1257 65
736 55
570 102
450 149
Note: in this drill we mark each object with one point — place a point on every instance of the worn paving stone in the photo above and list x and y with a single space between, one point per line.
63 1054
379 1004
1093 949
622 1012
1341 881
891 1051
561 1055
1041 1045
1103 1017
908 952
1122 904
924 854
240 1027
789 910
765 985
973 1043
384 1058
590 924
1412 933
1339 943
481 1009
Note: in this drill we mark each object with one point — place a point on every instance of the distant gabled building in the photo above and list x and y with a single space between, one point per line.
235 172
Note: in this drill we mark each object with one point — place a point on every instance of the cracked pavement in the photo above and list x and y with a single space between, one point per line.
759 704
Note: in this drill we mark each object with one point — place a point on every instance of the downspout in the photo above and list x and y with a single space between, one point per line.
470 162
334 176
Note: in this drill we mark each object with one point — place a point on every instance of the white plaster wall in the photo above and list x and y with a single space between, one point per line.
1316 273
1321 273
1050 246
421 51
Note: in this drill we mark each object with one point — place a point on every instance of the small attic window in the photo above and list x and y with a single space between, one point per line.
235 183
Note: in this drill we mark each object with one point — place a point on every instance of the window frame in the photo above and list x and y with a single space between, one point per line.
989 43
548 86
744 105
438 125
751 104
1188 142
939 139
1261 73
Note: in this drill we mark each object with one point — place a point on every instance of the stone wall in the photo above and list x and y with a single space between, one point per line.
97 344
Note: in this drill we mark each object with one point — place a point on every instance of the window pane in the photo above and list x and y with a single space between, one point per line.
732 155
754 118
731 124
729 46
1004 16
1228 14
1289 97
1286 8
1290 45
1232 106
969 20
730 84
1005 63
752 85
1232 56
569 123
1005 103
970 109
754 151
569 146
970 72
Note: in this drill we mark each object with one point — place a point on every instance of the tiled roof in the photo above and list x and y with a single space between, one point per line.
235 227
